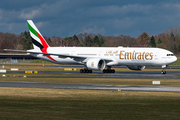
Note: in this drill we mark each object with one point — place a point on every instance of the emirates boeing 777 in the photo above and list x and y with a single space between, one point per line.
98 58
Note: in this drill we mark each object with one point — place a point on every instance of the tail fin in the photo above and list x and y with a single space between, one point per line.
37 38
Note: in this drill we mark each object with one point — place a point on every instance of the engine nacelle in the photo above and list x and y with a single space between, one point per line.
136 67
95 64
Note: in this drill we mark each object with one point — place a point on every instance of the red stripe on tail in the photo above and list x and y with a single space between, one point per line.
44 43
45 46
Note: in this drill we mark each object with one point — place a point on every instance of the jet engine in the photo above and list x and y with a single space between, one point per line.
136 67
95 64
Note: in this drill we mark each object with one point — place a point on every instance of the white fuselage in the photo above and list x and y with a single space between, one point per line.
118 55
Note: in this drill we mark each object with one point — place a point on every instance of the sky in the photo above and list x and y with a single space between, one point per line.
65 18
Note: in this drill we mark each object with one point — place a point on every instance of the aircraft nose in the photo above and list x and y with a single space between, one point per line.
175 59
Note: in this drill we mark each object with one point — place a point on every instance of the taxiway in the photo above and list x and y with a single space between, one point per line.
118 74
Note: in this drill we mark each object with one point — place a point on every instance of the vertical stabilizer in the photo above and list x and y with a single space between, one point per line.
38 41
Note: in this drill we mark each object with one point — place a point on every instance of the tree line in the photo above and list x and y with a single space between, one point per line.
169 40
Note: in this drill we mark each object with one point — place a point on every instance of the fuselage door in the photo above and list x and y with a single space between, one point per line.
156 56
100 53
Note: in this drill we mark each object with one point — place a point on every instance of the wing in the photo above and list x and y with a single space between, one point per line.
76 58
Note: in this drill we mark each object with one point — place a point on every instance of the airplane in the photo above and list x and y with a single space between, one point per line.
98 58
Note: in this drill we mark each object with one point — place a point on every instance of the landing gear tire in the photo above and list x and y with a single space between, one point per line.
85 71
81 70
109 71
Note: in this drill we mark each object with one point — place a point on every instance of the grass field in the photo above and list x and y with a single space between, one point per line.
28 104
48 104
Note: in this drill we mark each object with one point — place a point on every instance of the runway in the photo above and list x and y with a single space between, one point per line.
97 74
88 86
118 74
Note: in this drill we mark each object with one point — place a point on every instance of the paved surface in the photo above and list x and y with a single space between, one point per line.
88 86
118 74
99 74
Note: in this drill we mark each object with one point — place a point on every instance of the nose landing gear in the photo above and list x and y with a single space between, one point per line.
163 71
164 68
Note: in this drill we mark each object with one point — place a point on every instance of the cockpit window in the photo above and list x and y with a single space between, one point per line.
170 54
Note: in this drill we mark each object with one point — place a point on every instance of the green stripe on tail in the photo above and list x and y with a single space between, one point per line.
32 30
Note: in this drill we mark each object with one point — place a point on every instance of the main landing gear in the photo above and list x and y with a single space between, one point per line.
108 71
85 71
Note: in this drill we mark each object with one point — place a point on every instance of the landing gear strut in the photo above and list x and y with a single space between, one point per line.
85 71
163 71
164 68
